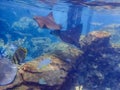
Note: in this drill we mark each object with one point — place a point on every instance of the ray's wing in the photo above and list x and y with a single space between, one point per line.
52 25
50 16
40 20
51 22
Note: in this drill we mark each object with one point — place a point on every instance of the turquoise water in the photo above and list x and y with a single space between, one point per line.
18 27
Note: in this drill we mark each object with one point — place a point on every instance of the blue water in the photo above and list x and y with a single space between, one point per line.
19 29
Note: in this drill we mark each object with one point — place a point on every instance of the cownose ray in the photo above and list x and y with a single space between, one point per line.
71 36
47 22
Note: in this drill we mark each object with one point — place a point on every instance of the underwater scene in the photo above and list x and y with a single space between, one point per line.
59 44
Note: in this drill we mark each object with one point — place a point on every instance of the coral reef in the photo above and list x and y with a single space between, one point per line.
7 50
65 67
95 40
42 75
39 44
25 23
98 69
64 51
27 27
28 34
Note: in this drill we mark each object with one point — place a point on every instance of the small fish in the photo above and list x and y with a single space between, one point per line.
19 55
47 22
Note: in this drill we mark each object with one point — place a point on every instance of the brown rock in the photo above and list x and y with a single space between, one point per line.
51 75
100 34
95 39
